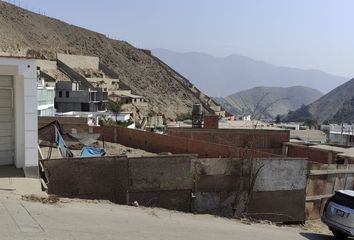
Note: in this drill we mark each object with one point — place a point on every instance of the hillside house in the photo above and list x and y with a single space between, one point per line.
74 96
81 85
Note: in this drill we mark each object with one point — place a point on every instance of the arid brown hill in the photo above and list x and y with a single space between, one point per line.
26 33
270 101
328 107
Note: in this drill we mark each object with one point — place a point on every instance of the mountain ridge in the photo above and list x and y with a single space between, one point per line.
222 76
268 102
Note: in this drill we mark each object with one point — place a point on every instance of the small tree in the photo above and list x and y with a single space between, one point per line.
115 84
114 107
183 116
251 167
100 83
311 123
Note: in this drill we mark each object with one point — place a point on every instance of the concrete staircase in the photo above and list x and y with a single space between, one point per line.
73 75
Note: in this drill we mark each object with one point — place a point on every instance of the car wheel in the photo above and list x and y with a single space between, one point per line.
339 235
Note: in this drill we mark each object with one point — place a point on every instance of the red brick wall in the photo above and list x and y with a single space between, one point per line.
158 143
211 122
313 154
265 140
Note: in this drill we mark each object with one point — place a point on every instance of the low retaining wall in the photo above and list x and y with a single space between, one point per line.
161 181
186 183
157 143
123 180
88 178
278 192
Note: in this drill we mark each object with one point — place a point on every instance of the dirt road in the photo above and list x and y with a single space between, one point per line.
76 219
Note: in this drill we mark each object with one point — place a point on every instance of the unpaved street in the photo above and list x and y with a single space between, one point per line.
77 219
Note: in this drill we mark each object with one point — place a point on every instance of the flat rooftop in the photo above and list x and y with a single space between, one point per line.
342 151
230 125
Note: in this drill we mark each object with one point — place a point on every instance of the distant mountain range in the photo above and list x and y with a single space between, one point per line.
224 76
268 102
337 106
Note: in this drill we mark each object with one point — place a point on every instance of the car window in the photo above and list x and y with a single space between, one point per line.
343 200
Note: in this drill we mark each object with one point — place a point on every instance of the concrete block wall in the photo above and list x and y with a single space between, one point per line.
88 178
218 182
222 184
161 173
68 107
160 181
279 192
185 183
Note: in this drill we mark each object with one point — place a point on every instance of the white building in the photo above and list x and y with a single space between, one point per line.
94 117
45 97
120 117
246 118
289 126
341 134
18 114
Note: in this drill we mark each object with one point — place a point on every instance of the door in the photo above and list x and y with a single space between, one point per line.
6 121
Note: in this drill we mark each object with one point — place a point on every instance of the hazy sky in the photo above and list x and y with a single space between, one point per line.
310 34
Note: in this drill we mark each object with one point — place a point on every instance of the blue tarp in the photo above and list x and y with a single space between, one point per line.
92 152
63 149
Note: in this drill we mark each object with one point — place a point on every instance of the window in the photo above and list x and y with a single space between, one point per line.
343 199
85 107
60 94
67 94
92 96
75 86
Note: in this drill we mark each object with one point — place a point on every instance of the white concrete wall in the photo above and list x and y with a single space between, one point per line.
77 61
282 174
25 103
122 117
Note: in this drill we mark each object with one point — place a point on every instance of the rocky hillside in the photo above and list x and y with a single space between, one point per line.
328 106
222 76
346 113
25 33
268 102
